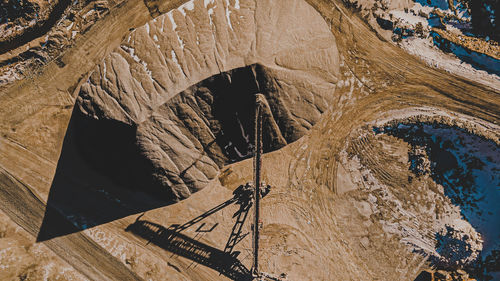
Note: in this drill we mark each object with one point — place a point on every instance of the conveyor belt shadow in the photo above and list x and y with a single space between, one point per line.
173 241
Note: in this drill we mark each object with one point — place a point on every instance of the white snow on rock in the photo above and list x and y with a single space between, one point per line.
174 58
171 17
207 2
457 60
131 52
409 18
467 167
189 6
433 56
228 15
447 236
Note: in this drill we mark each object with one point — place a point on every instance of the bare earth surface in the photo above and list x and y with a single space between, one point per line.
381 165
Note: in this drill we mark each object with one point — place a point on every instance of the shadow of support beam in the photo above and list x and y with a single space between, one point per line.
184 246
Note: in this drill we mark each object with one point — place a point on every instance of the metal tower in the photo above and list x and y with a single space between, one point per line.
257 163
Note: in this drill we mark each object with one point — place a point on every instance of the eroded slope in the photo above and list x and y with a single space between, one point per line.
185 133
317 224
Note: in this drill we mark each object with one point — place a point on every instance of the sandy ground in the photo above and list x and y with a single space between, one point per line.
314 226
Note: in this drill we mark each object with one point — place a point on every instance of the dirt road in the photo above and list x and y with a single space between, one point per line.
35 113
27 210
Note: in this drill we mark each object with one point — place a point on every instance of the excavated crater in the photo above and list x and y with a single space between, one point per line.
175 102
183 144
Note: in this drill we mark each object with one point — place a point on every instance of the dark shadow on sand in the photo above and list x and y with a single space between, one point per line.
83 194
224 261
102 175
172 240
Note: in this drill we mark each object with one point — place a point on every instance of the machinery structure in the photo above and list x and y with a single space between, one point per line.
257 164
260 189
245 196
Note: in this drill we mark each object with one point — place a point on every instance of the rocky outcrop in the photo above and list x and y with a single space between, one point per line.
145 103
36 33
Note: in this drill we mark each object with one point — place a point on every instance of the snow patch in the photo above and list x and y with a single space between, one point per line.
475 59
207 2
405 224
171 17
467 167
131 52
174 58
174 28
433 56
423 43
104 70
181 42
148 71
189 6
210 13
408 18
228 15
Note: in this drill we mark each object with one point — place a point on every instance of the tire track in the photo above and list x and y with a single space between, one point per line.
364 148
78 250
